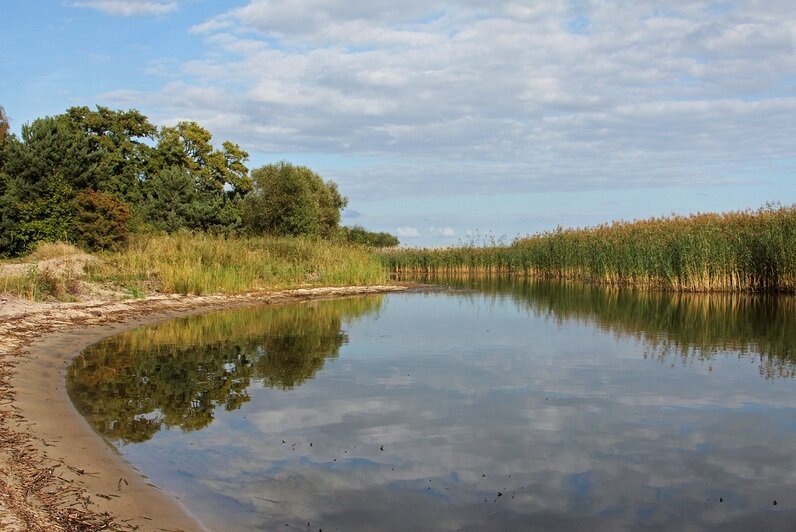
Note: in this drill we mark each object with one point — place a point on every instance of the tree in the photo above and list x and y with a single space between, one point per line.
3 142
117 140
42 171
292 200
108 157
187 145
359 235
28 218
173 202
48 146
4 126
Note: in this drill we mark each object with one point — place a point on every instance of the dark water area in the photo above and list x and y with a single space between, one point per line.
488 404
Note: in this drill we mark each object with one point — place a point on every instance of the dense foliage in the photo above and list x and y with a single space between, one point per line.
92 177
753 251
359 235
292 200
100 221
3 128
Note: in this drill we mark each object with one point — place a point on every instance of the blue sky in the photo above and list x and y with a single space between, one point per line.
445 122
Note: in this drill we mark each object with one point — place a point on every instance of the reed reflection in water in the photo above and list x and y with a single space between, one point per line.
687 326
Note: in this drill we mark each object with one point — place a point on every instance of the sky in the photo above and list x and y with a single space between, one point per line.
447 122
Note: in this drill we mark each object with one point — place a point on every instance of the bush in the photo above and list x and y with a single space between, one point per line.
101 221
292 200
360 235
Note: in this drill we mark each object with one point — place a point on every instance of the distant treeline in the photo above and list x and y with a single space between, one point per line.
92 177
739 251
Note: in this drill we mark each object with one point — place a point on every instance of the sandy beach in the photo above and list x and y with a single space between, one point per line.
56 473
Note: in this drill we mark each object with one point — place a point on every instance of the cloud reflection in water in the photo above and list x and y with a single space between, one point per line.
511 390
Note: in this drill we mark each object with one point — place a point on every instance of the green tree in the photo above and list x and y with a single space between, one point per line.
31 218
292 200
118 142
359 235
4 134
187 145
182 182
42 171
172 202
49 146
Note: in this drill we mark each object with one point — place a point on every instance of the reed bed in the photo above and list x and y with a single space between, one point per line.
202 264
737 251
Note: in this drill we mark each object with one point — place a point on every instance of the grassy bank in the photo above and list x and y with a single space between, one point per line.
192 264
739 251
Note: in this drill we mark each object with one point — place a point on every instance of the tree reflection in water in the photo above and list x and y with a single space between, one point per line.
177 373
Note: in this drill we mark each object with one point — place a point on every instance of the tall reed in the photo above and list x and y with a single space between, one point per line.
738 251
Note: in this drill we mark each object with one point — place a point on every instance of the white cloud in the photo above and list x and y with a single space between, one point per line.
128 8
446 232
407 232
509 97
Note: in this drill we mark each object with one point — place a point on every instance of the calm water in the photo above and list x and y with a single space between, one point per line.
493 405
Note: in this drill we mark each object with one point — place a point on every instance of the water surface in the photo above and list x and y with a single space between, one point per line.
493 405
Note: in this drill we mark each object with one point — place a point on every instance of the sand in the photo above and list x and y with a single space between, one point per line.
56 473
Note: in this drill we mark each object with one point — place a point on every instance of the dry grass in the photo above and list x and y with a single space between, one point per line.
202 264
191 264
52 250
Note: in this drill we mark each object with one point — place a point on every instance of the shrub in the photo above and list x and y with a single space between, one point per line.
101 221
359 235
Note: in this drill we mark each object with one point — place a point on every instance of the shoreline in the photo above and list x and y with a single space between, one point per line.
56 473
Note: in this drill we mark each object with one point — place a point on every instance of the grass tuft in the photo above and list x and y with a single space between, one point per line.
53 250
41 284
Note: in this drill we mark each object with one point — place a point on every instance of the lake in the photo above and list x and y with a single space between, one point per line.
485 404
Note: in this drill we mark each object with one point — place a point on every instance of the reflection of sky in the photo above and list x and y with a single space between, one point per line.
470 398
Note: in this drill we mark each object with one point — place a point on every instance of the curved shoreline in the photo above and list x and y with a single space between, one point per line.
55 471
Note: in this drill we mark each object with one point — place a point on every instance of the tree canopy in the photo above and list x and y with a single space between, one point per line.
3 126
92 176
292 200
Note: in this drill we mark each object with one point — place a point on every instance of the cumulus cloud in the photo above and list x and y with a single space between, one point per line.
501 97
407 232
128 8
446 232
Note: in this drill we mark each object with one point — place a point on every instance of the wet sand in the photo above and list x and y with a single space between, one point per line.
56 473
